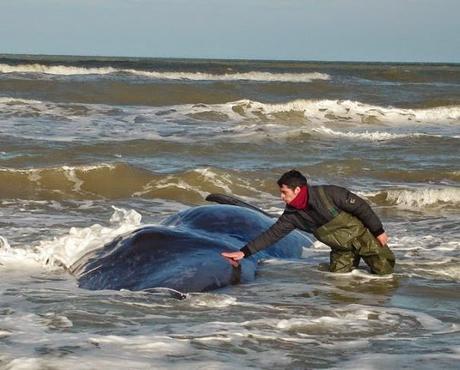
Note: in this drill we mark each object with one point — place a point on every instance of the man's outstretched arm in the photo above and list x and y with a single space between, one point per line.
278 230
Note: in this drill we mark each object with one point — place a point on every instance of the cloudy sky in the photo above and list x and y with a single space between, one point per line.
351 30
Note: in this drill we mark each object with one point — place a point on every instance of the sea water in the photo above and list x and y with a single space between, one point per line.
91 148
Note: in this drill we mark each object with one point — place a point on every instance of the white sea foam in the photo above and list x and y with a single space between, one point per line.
248 76
362 318
57 70
8 100
192 76
66 249
89 361
14 258
211 300
208 179
367 135
222 181
169 182
34 173
55 321
140 351
159 345
451 273
4 333
361 274
366 275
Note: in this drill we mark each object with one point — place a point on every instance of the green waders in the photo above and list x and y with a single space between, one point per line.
350 241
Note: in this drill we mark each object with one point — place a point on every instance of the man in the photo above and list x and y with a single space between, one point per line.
336 217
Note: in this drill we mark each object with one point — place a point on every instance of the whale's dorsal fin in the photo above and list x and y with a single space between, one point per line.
227 199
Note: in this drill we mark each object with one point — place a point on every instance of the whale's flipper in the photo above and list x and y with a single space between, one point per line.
227 199
168 291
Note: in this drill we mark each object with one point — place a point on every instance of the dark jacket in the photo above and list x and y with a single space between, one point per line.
316 215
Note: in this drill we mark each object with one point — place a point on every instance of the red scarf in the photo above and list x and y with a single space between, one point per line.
301 200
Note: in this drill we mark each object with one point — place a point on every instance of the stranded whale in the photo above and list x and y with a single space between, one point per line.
183 252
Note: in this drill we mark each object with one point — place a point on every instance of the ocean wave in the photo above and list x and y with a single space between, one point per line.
118 181
355 111
9 100
312 110
427 197
237 121
379 135
190 187
191 76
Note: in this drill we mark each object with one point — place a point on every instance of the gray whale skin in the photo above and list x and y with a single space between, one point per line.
183 252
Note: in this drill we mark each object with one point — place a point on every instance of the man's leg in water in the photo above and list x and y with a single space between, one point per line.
343 260
380 259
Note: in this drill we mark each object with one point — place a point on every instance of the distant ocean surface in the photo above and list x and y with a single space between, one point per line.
94 147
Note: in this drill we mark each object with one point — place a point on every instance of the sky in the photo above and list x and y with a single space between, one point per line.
332 30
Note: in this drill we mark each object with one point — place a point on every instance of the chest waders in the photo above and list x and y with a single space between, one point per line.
350 241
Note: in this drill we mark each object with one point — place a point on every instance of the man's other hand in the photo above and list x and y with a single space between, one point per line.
383 239
233 257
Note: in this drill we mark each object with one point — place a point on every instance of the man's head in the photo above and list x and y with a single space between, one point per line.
290 184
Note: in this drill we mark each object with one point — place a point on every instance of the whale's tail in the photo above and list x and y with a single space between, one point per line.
227 199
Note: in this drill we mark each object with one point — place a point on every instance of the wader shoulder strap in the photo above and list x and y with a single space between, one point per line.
333 210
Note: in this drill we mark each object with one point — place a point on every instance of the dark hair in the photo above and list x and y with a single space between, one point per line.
292 179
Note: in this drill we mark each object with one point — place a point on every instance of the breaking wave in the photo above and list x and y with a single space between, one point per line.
428 197
355 111
118 181
191 76
323 111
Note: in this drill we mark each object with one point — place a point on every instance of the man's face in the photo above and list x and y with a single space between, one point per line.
287 194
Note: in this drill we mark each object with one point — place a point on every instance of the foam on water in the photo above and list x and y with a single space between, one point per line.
66 249
211 300
368 318
359 274
141 350
442 272
88 362
16 258
243 120
368 135
158 345
17 101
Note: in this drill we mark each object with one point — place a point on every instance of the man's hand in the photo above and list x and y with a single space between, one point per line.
383 239
233 257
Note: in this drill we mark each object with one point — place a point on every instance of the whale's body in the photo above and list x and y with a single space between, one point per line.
183 253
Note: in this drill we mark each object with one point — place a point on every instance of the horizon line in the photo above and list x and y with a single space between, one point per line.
227 59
